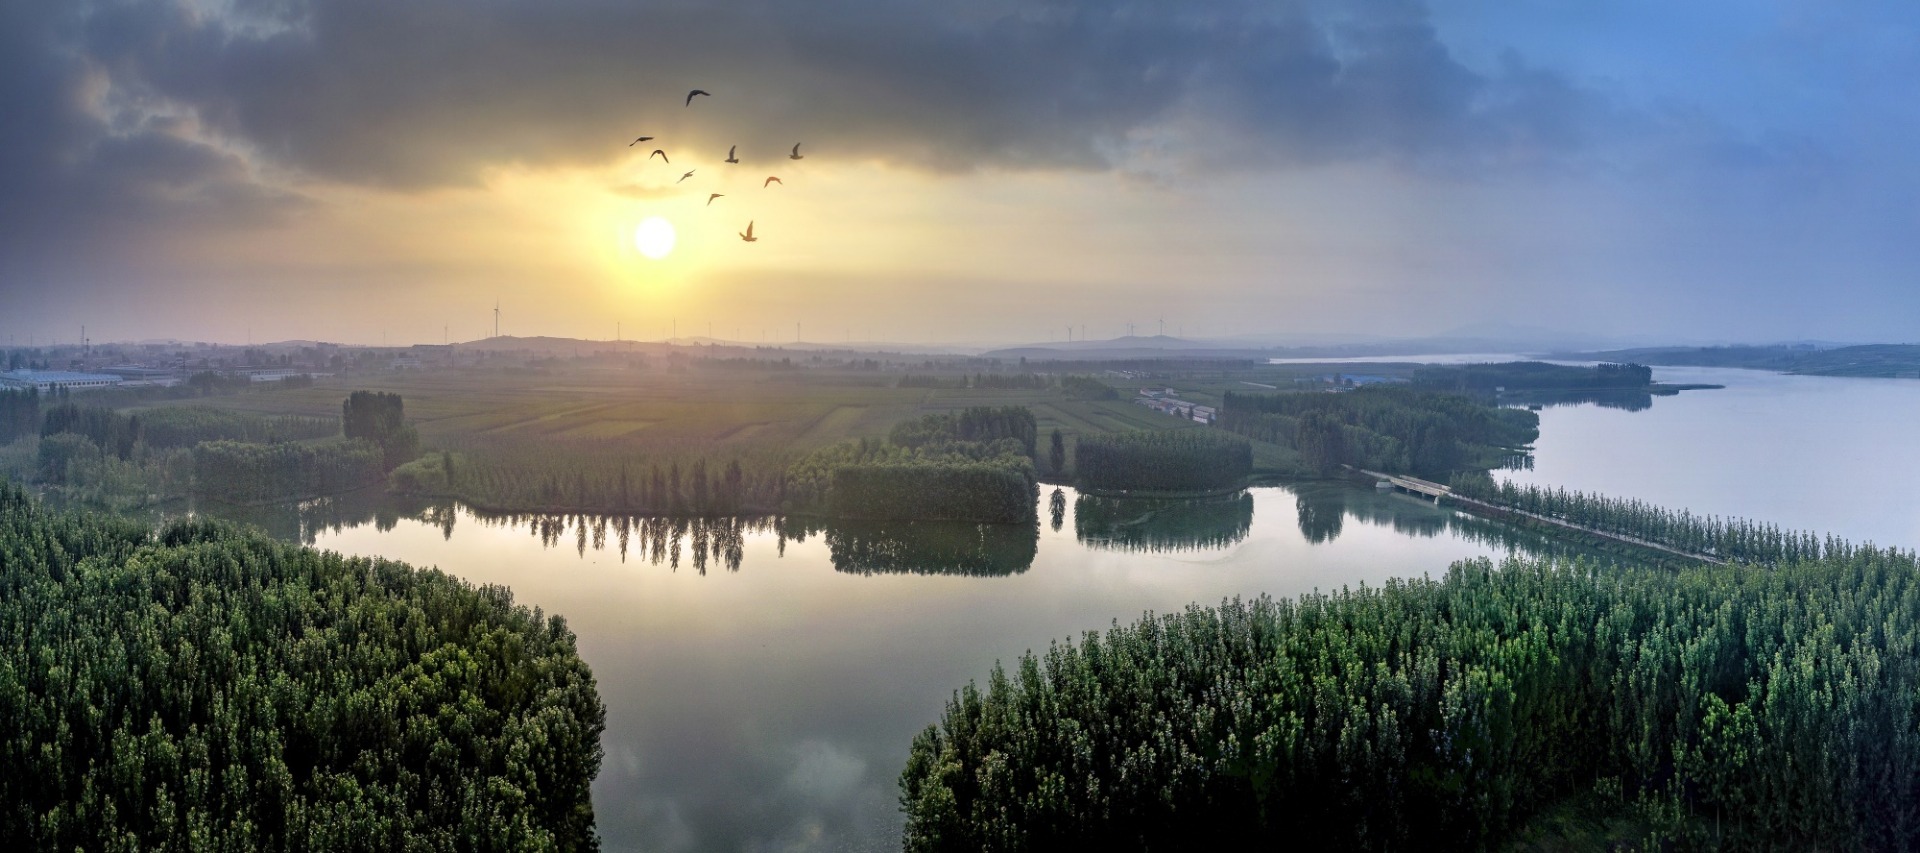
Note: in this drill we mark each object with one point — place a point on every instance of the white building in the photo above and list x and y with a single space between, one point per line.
52 380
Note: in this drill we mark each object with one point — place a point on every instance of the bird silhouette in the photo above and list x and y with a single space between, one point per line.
696 92
730 157
689 174
714 196
796 152
663 155
748 234
638 141
772 180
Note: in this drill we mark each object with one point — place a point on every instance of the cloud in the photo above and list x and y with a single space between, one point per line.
432 92
81 166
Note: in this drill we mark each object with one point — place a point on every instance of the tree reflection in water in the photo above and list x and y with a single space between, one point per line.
1162 524
922 547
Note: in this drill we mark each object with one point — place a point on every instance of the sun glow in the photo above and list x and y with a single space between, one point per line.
654 238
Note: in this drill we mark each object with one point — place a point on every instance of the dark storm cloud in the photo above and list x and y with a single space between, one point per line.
428 92
79 170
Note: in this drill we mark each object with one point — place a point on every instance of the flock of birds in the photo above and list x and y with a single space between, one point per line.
732 150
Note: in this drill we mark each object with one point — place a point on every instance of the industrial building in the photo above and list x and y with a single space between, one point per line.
54 380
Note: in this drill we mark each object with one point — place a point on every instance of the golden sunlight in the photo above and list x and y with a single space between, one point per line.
654 238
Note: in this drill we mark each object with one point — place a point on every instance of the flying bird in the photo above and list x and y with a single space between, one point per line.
696 92
730 157
663 155
796 152
748 235
714 196
689 174
638 141
772 180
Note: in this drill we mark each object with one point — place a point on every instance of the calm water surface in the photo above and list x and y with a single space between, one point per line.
1828 454
761 694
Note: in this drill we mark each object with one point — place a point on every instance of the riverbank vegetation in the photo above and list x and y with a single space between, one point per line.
1744 707
1396 429
207 688
973 465
1531 376
1163 461
1721 538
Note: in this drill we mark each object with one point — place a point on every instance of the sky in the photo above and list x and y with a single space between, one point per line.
362 171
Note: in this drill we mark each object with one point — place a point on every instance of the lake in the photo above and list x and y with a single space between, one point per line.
763 679
1827 454
762 693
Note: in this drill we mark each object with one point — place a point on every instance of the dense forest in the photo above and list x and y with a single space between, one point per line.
1087 388
381 418
1385 428
1183 460
247 473
972 465
19 413
186 426
1532 376
1742 707
977 424
208 688
114 460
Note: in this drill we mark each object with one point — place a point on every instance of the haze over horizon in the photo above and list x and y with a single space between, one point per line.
983 171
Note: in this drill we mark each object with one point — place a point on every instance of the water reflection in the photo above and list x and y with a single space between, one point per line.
921 547
698 542
1162 524
1322 509
769 705
305 522
1624 399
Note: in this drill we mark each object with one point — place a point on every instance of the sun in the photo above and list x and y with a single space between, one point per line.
654 238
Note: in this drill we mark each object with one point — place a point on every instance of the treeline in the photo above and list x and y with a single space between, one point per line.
205 688
1087 388
112 460
246 473
164 427
1396 429
1532 376
186 426
19 413
381 418
1181 460
1715 707
1033 381
941 479
1727 538
108 430
972 465
979 424
586 475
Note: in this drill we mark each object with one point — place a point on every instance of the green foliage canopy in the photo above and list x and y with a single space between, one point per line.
206 688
